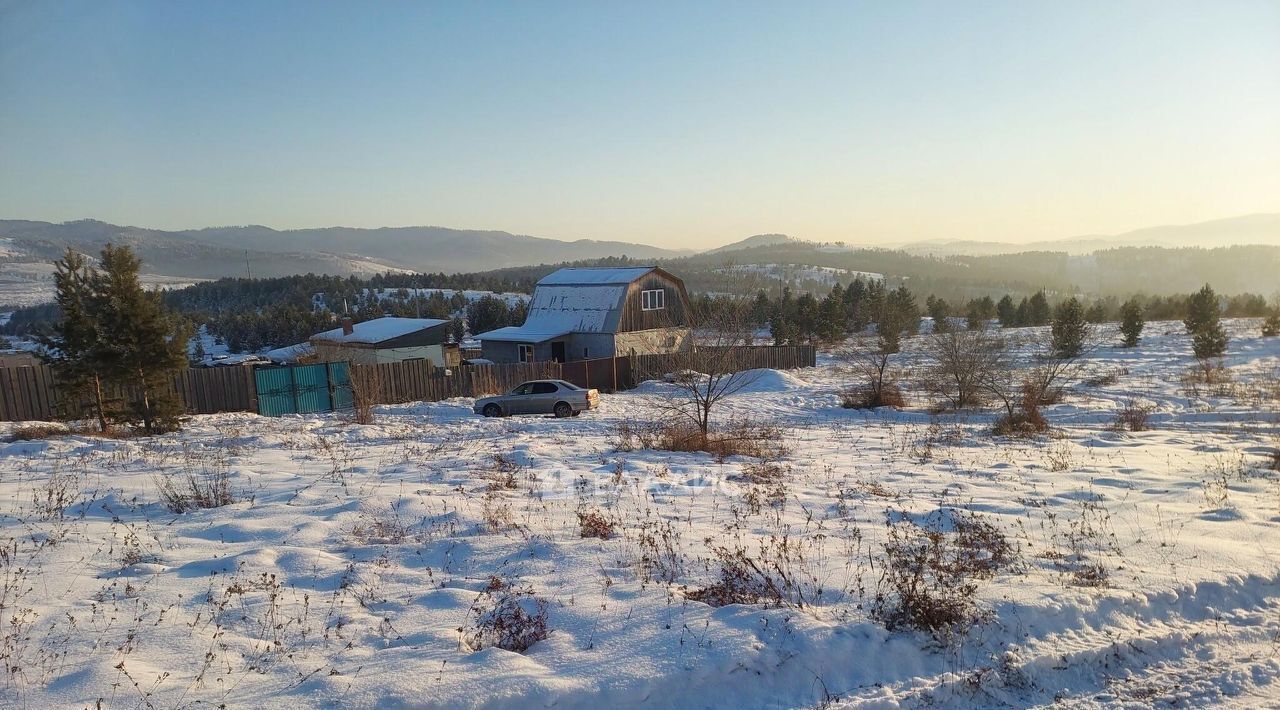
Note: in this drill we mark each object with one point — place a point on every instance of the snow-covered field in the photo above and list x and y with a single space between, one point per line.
355 560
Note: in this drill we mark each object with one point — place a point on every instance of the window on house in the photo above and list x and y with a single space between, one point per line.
654 300
586 353
526 353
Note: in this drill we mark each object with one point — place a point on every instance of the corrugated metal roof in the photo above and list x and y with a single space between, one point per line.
590 276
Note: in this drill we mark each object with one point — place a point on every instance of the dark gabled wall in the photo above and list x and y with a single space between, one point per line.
676 313
435 335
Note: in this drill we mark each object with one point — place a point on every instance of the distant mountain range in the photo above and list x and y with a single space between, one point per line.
262 251
1261 228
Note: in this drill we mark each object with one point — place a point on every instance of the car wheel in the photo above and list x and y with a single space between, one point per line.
576 413
563 410
492 410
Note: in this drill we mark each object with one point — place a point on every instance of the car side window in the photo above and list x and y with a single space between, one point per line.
543 388
522 389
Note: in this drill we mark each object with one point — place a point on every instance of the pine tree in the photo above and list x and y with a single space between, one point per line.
831 321
73 349
197 351
978 311
1131 322
143 345
1038 311
1069 331
1097 313
902 303
1007 312
939 311
807 317
1208 339
1022 316
1271 326
782 324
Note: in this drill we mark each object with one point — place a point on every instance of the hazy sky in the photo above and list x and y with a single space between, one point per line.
680 124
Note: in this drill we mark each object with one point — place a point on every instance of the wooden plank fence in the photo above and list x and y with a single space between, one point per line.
32 393
419 381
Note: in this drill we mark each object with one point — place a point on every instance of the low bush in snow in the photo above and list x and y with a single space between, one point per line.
592 523
863 397
1132 416
508 617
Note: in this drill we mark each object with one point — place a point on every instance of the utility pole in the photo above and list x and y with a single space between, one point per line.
247 270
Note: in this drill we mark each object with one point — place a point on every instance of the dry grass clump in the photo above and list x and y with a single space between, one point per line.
34 432
508 617
931 577
209 489
380 529
740 437
1105 379
867 397
1132 416
503 473
779 573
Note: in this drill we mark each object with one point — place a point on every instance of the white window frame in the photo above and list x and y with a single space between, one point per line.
526 352
653 299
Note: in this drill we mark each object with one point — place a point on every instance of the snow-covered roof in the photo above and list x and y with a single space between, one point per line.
580 276
291 353
379 330
557 310
522 334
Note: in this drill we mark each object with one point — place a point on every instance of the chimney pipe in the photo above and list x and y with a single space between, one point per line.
347 327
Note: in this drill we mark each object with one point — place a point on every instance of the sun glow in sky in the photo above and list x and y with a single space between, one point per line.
675 124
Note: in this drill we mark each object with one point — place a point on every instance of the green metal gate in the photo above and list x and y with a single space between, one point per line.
301 389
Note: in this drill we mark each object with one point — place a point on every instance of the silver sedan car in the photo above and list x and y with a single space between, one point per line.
563 399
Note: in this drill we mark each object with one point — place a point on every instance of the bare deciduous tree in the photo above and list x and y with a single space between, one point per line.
870 360
713 368
366 391
962 365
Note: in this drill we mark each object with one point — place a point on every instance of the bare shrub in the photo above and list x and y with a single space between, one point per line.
1024 418
61 491
593 523
1132 416
508 617
193 491
931 577
366 391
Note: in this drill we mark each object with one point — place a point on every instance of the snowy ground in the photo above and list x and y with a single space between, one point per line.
347 570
